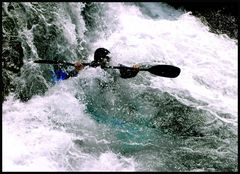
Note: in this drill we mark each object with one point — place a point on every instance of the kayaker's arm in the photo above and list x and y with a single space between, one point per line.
124 72
77 67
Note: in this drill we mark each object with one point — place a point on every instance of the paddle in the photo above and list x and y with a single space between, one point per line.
57 62
169 71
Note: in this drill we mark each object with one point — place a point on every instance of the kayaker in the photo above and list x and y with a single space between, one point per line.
102 59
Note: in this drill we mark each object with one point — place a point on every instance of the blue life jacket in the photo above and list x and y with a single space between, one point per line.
58 75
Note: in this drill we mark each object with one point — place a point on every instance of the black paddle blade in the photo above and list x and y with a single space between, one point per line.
165 70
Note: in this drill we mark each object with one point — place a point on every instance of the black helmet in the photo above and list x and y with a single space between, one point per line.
100 55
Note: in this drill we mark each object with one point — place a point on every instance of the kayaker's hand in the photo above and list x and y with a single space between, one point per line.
136 67
129 72
78 66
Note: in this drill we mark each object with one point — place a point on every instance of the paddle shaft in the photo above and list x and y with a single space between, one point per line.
169 71
85 64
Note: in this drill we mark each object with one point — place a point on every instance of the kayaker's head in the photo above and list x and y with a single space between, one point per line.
101 56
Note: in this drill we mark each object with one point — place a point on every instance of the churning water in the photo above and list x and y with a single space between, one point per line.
97 122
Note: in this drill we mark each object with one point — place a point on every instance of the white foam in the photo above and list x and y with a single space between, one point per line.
34 132
109 162
208 61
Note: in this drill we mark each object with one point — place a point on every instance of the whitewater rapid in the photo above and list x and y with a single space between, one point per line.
146 123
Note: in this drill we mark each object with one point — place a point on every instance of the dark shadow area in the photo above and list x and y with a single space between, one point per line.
221 17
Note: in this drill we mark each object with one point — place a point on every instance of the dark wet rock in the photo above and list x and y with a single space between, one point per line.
12 51
12 61
221 17
19 17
